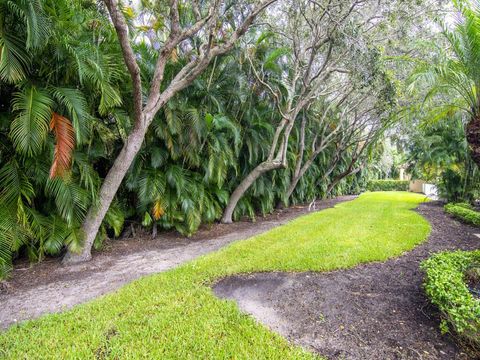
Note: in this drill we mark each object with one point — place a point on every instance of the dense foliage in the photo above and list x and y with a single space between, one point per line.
439 153
60 84
445 285
66 110
444 103
388 185
451 78
464 213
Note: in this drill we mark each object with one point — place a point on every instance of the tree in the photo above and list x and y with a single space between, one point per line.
439 152
45 184
453 82
214 40
307 33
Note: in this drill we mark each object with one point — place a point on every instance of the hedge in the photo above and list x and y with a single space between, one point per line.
464 212
446 287
388 185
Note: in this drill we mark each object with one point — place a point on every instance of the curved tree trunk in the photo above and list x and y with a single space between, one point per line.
473 139
143 115
340 177
296 178
109 188
264 167
291 189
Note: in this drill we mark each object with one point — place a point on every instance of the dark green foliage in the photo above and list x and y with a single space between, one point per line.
387 185
464 213
62 56
54 58
439 153
445 285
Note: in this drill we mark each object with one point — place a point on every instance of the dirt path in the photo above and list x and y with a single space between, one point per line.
50 287
373 311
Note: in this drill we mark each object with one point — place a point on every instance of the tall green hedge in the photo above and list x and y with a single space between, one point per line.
388 185
446 287
464 212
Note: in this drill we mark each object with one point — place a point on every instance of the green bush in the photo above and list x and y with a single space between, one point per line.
464 212
446 287
388 185
464 205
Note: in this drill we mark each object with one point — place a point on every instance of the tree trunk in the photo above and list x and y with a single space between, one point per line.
341 177
291 189
298 166
245 185
109 188
473 138
299 175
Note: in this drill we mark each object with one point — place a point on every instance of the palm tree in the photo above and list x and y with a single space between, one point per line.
453 84
58 77
440 152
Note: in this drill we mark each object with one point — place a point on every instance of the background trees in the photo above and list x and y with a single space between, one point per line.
439 152
60 82
452 81
201 109
216 29
438 131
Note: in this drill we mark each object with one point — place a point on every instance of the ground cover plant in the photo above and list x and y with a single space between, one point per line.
445 285
175 315
464 213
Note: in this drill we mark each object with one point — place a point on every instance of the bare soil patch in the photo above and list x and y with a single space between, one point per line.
50 287
373 311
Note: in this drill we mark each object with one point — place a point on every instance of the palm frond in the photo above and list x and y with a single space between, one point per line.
32 14
76 106
65 143
14 59
15 186
70 199
29 128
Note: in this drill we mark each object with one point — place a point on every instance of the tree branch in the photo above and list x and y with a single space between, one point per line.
121 29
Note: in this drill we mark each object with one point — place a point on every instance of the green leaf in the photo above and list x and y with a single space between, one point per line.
14 185
14 59
147 219
58 233
77 109
29 128
209 120
75 240
71 200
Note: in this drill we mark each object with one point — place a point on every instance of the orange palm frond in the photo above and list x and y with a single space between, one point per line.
65 137
157 210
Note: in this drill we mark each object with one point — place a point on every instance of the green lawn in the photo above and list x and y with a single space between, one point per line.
174 315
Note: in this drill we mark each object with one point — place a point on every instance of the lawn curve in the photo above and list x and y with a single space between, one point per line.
176 315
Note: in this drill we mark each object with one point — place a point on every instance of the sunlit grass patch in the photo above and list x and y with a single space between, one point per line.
174 315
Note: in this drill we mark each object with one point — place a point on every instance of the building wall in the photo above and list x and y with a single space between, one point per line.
416 186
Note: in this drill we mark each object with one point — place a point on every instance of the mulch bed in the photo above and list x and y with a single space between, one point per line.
373 311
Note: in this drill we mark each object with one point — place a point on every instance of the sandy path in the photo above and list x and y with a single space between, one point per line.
49 288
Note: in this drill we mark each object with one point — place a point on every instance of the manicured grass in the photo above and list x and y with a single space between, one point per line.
174 315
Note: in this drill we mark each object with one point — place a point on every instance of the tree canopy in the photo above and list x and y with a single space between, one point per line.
169 115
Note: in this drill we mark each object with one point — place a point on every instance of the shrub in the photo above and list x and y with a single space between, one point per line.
464 205
388 185
446 287
464 212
